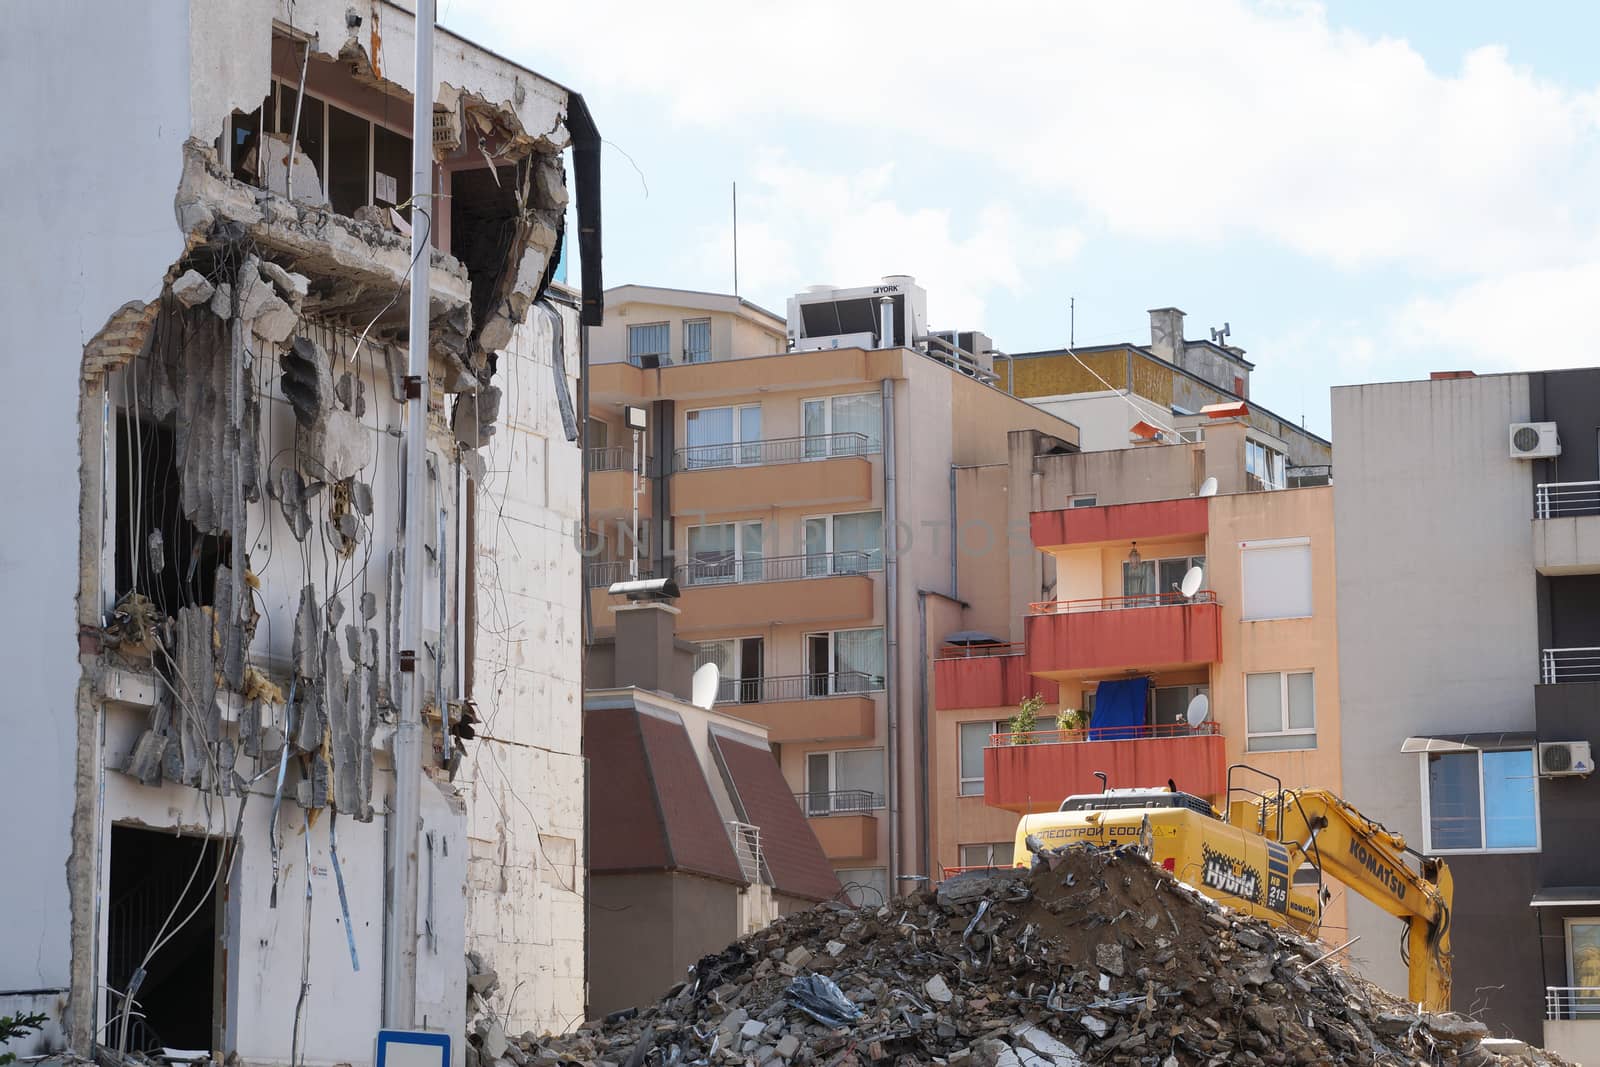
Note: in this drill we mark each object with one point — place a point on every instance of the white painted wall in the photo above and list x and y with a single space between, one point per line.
1431 524
1104 418
87 236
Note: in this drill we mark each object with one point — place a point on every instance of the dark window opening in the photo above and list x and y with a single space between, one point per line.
349 160
156 877
391 179
160 553
482 226
750 656
244 152
311 132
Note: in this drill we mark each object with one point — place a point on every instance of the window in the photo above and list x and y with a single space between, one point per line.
1152 577
864 887
1172 703
349 177
1280 711
697 341
997 854
724 552
843 544
974 739
858 414
739 667
649 346
1083 501
1263 466
838 783
1583 967
1276 579
722 437
597 434
1481 800
844 661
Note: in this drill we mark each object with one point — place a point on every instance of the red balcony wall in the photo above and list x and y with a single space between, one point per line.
986 682
1034 778
1185 517
1126 637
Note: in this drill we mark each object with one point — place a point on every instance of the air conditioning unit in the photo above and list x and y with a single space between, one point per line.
1557 759
1534 440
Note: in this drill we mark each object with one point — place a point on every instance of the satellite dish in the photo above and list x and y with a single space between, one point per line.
1191 582
706 677
1199 708
1208 487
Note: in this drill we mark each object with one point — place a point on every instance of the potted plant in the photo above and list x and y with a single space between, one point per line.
1026 720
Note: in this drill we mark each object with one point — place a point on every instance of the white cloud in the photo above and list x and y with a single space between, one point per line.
1526 320
1169 120
801 226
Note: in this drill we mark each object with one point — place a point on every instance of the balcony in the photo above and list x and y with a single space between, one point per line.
985 676
1068 639
845 823
606 573
1034 772
1559 665
611 482
1572 1022
818 469
1150 523
805 707
829 587
1566 528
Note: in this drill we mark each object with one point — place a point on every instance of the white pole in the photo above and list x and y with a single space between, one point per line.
400 942
638 463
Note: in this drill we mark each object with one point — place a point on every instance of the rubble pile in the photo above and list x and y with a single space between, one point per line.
1096 957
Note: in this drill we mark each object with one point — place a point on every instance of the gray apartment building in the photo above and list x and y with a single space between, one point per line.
1467 520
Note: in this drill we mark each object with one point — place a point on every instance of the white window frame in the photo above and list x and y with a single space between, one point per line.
738 576
1483 811
833 659
1278 542
736 676
827 520
684 331
989 848
663 358
827 430
1275 475
1083 500
997 726
742 453
1283 706
1588 1009
832 785
1155 564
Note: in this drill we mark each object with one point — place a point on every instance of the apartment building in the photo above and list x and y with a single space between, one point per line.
1468 549
772 465
212 684
1093 619
1122 394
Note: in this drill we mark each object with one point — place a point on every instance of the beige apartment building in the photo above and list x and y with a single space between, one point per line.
764 478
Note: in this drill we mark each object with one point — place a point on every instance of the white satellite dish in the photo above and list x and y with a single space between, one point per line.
706 677
1199 708
1191 582
1208 487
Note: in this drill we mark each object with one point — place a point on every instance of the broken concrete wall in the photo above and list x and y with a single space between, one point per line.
85 256
524 780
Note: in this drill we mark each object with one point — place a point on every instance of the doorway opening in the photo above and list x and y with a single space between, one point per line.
162 879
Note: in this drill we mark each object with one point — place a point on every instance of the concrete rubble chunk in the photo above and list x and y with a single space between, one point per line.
191 289
937 989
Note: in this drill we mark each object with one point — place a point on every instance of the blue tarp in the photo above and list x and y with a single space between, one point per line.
1119 710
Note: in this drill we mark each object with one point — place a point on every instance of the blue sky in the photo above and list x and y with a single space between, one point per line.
1365 190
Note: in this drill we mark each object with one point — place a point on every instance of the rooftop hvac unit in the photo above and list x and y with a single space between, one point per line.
1534 440
1558 759
825 317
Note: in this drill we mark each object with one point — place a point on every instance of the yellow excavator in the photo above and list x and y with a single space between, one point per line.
1248 859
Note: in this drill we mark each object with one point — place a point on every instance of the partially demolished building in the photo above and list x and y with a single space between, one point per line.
205 681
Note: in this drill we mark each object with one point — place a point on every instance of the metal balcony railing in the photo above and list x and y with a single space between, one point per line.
728 570
1572 1002
1117 603
746 838
1554 500
606 573
981 651
1310 474
839 802
1569 665
612 458
774 450
1103 733
783 687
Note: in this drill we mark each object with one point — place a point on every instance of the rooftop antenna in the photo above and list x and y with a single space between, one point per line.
735 238
1219 336
1072 322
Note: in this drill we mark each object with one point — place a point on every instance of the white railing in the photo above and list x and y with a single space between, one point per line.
1556 499
1569 665
1572 1002
746 838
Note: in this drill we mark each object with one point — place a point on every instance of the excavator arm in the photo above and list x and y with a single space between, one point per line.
1322 829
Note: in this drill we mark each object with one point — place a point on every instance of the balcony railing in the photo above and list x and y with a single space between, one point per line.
1572 1002
839 802
1117 603
1102 733
981 651
727 570
746 838
774 450
1570 665
606 573
1557 499
1310 474
783 687
612 458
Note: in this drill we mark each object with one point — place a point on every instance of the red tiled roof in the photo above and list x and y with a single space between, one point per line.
653 809
760 794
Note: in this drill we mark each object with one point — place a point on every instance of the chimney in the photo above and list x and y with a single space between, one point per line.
647 653
1166 333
